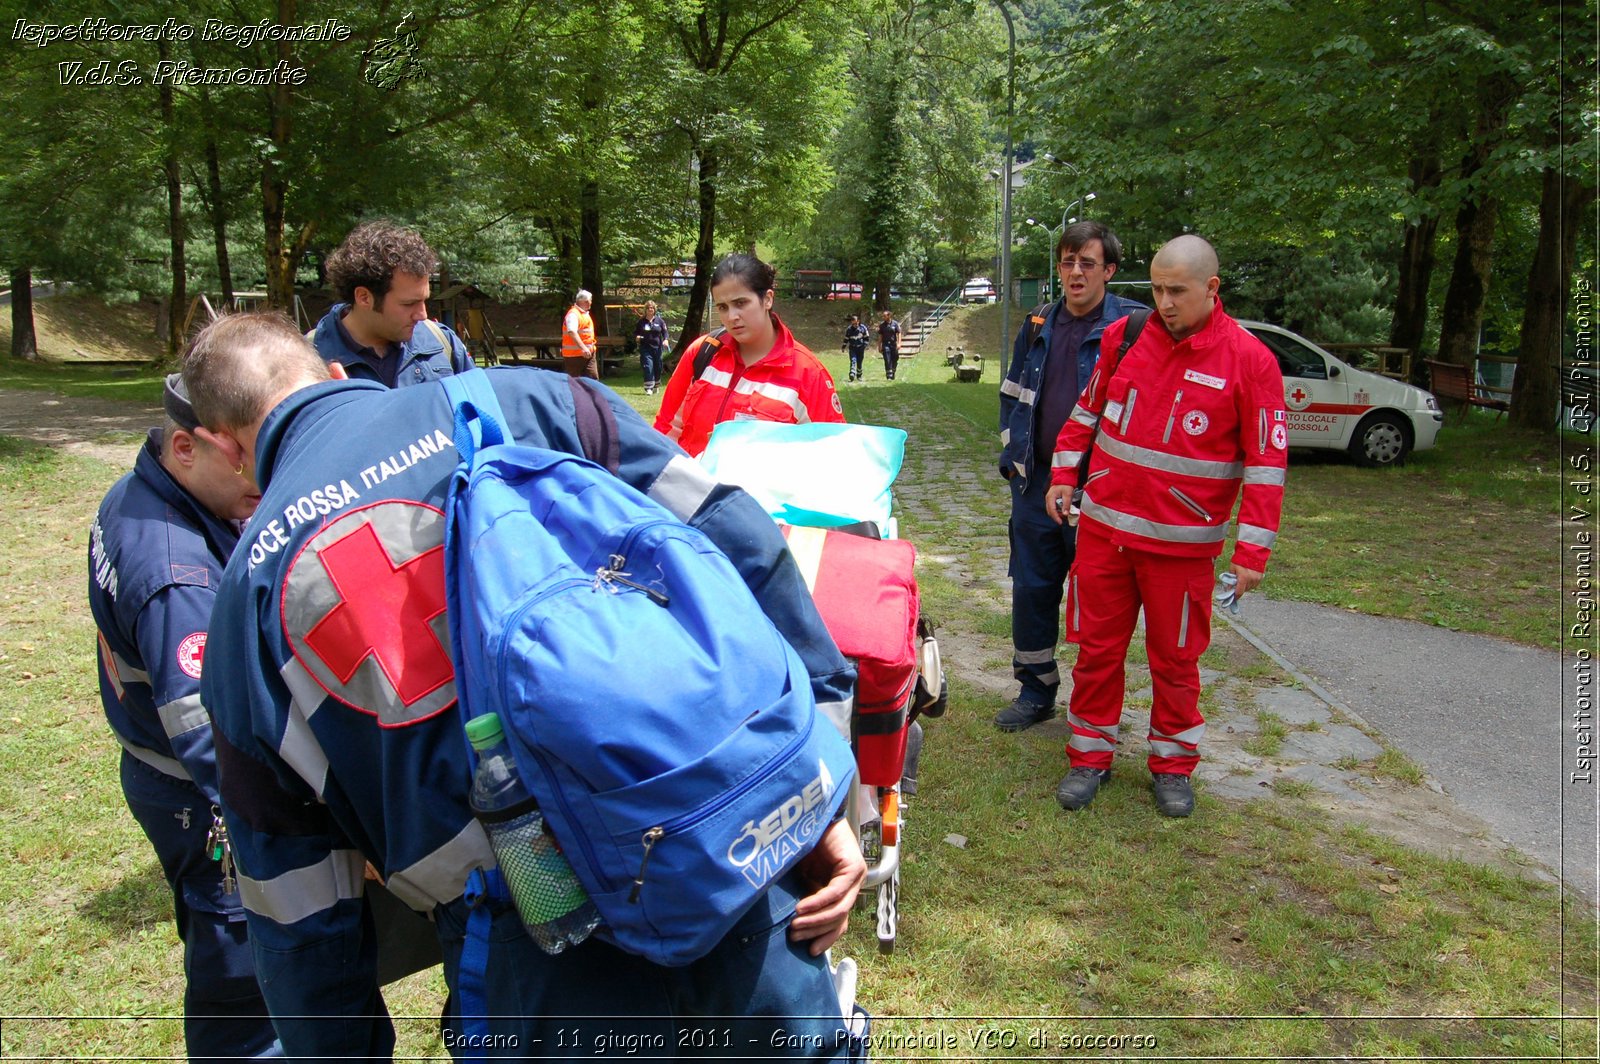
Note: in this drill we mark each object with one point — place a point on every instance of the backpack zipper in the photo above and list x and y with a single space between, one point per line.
712 808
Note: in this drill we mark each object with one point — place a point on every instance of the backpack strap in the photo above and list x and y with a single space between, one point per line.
709 345
1130 336
1036 319
597 426
472 399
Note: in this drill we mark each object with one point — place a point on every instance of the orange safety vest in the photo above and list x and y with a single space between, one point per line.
578 325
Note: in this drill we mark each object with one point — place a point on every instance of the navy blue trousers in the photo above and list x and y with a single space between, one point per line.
1041 554
224 1016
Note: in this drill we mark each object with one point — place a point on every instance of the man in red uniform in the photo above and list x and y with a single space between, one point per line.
1193 411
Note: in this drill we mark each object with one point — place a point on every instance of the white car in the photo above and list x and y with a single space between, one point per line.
1331 405
978 290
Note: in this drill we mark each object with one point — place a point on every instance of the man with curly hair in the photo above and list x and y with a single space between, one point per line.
380 329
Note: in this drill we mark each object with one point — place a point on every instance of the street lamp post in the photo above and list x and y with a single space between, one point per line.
1050 268
1005 221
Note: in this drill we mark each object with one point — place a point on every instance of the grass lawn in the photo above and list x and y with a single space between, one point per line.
1264 930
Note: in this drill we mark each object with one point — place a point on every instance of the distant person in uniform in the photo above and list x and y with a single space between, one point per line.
380 329
578 343
889 343
856 338
651 335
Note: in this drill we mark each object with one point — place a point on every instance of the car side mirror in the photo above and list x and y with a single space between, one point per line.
1333 371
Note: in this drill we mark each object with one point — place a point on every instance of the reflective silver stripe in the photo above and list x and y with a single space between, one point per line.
1082 416
1033 657
718 377
683 487
1153 529
1265 475
304 892
1020 468
302 752
1183 623
1088 744
1026 396
160 762
838 714
1191 736
1065 459
806 545
183 715
439 876
1072 593
789 397
1127 409
126 672
1051 677
1010 387
1163 749
1109 732
1171 463
1005 437
1257 536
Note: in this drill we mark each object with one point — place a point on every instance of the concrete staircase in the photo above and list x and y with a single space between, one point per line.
919 327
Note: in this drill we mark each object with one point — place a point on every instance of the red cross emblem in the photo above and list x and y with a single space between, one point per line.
364 611
1299 399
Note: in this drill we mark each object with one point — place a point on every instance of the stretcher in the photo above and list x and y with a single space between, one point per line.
829 488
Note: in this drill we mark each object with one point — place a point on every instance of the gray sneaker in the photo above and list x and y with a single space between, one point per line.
1021 715
1174 794
1078 788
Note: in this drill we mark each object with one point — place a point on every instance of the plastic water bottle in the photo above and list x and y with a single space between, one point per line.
551 901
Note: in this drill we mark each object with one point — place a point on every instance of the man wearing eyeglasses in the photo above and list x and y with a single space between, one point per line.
1055 352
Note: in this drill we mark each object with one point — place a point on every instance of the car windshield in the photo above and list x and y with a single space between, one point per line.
1295 359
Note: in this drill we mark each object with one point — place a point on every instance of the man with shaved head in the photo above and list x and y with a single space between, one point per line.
1189 416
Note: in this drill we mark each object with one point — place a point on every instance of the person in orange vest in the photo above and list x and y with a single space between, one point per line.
752 367
578 344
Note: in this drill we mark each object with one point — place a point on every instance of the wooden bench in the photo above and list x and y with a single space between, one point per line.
544 352
1446 380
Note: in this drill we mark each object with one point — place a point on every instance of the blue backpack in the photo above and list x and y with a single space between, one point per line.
667 730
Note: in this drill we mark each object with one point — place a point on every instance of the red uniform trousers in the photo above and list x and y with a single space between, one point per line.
1105 589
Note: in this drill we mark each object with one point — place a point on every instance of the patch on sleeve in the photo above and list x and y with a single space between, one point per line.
191 653
838 407
1280 438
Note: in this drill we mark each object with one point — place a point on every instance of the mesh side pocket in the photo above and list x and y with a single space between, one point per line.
552 903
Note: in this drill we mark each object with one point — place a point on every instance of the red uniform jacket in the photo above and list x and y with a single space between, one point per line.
1182 426
788 386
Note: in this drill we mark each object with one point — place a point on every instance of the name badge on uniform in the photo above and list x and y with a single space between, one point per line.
1205 378
1113 413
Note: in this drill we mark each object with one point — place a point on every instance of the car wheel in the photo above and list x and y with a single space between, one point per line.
1381 439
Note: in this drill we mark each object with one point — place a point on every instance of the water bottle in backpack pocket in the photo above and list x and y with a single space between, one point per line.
555 910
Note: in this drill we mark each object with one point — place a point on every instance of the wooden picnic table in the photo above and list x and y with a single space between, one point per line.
544 352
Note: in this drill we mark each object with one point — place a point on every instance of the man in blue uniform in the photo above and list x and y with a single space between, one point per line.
381 330
1056 350
156 555
889 343
856 338
339 743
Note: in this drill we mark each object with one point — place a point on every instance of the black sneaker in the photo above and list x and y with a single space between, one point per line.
1174 794
1077 789
1021 715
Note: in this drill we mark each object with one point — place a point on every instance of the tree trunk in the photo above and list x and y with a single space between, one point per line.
1410 322
589 250
179 296
1461 319
24 343
275 186
704 250
1536 390
219 221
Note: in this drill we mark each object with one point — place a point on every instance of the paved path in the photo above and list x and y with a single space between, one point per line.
1488 719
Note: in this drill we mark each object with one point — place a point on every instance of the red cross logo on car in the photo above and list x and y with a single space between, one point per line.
364 612
1299 399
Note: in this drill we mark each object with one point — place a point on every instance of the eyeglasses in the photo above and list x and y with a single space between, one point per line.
1086 265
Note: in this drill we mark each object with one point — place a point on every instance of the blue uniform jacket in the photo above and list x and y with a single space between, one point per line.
651 333
423 359
340 744
1019 412
155 561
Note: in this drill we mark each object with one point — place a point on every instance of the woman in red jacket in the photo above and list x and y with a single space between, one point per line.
752 367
